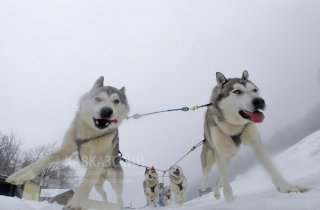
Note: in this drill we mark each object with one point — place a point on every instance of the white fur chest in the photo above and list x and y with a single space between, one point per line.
98 152
223 143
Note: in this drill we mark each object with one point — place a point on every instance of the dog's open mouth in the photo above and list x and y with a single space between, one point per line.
177 173
256 116
103 123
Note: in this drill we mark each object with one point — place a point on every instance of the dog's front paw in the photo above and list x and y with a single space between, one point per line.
21 177
217 194
228 194
289 189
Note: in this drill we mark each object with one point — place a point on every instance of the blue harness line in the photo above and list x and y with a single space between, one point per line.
185 109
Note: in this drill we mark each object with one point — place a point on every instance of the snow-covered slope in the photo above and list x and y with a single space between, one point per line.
254 190
300 164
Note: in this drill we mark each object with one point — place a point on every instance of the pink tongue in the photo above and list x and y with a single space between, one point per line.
256 117
115 121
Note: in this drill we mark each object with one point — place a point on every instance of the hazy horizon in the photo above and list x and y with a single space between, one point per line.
166 54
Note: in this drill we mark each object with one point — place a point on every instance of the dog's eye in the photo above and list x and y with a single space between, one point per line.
97 99
255 90
237 92
116 101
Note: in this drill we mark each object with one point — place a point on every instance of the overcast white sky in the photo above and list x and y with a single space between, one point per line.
166 53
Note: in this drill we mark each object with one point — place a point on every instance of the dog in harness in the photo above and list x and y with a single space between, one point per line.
151 186
178 184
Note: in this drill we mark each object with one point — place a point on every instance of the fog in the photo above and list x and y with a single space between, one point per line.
166 54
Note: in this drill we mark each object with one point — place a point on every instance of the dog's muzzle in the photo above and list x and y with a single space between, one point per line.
256 116
105 118
177 172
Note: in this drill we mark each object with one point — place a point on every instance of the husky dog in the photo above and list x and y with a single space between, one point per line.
230 121
178 184
93 134
151 186
166 198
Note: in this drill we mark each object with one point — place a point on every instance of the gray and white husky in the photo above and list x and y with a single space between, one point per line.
178 184
166 198
93 134
151 186
230 121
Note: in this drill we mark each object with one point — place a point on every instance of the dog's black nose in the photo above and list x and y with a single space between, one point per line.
106 112
150 176
258 103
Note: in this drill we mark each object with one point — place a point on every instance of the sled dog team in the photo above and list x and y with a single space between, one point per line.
178 186
93 135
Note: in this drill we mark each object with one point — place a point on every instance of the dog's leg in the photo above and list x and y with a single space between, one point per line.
118 188
31 171
155 203
147 196
217 188
99 188
164 201
184 197
157 197
251 137
34 169
278 180
207 161
115 177
180 199
148 202
82 192
223 168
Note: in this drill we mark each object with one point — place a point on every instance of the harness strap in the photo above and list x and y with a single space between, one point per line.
79 143
136 164
191 150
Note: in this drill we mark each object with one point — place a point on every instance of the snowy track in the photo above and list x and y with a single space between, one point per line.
300 164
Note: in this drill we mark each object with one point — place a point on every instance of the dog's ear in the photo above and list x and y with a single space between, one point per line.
221 79
245 75
98 83
123 90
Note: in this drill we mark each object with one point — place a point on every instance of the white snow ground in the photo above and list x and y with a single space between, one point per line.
254 190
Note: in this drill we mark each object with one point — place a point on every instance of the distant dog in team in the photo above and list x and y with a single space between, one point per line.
166 196
178 184
151 186
230 121
93 134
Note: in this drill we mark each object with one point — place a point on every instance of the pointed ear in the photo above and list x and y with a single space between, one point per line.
245 75
146 170
98 83
221 79
123 90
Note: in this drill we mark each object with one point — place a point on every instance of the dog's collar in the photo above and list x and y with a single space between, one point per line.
80 142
